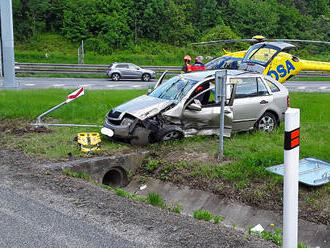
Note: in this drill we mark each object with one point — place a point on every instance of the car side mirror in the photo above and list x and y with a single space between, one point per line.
194 106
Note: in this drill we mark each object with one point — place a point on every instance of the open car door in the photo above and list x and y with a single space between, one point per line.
160 80
201 114
260 55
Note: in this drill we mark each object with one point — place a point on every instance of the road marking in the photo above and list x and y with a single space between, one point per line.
112 85
29 84
137 86
85 85
58 85
322 88
301 87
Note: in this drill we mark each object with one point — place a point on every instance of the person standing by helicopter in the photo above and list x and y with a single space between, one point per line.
187 66
198 66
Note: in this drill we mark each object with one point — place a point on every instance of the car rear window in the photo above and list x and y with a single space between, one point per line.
262 90
246 87
272 86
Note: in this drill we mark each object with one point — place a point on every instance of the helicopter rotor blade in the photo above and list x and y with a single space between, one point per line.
302 41
210 43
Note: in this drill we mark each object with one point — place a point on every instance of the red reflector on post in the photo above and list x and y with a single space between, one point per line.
291 139
295 143
295 133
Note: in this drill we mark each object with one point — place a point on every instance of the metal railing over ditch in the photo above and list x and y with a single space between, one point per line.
101 69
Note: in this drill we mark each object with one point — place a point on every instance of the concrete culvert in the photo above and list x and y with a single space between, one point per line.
116 176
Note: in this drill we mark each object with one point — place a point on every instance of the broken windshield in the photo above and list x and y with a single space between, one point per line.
174 89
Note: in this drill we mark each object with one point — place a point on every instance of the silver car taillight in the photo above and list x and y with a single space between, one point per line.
288 101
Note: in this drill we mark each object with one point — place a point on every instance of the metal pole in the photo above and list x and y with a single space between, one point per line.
82 52
221 78
291 176
7 36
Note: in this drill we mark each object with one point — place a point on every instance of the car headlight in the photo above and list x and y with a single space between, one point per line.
126 122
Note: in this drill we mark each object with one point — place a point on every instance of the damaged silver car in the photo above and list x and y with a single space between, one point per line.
185 105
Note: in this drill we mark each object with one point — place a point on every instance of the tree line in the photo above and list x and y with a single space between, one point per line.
106 25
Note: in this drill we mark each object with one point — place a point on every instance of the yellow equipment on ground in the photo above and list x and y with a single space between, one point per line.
89 142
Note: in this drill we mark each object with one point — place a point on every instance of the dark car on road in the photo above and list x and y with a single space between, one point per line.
117 71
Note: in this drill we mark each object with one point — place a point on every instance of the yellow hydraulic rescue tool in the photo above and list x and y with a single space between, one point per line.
89 142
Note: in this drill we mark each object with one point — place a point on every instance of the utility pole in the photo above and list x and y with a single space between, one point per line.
7 38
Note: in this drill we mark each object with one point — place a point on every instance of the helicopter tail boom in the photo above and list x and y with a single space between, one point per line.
308 65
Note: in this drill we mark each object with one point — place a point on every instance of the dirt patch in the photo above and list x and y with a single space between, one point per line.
190 156
20 127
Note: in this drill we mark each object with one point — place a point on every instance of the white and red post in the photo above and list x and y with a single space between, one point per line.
291 177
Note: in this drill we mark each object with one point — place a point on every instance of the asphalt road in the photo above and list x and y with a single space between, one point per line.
27 223
101 83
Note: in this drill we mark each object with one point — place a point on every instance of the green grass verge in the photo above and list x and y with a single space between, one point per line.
310 79
88 109
207 216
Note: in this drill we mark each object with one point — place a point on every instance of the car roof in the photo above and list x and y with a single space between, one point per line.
201 75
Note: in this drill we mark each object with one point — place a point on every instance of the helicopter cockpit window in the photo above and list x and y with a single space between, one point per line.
261 54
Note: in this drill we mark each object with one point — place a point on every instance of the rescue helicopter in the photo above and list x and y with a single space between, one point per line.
266 56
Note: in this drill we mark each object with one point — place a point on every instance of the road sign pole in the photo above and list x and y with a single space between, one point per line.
291 176
220 85
7 37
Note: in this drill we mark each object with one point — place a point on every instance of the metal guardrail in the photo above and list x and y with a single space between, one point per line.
101 69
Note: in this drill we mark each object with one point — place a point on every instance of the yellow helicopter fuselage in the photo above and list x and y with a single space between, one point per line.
283 66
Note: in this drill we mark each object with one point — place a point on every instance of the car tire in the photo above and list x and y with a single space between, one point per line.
267 123
146 77
115 77
141 137
169 133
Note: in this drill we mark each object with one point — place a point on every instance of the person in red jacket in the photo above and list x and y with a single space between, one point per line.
198 66
187 66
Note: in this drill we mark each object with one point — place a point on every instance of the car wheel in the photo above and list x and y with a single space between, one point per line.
115 77
141 137
169 134
146 77
267 122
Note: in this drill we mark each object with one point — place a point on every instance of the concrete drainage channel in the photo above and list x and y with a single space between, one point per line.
238 215
115 170
111 171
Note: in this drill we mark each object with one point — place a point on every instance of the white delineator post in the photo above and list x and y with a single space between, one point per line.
291 177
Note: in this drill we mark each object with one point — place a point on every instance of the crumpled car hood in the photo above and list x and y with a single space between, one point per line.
144 106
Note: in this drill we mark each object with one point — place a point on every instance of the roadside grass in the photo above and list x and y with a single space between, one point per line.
207 216
75 174
88 109
310 79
